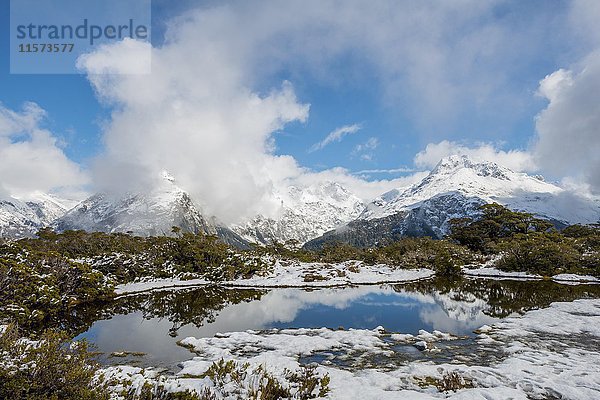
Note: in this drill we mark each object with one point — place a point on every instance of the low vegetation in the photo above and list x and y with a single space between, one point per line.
51 368
44 280
450 381
258 384
528 244
37 288
55 368
443 256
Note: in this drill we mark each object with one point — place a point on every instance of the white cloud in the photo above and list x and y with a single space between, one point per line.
199 114
30 157
517 160
367 190
210 109
584 16
195 117
365 150
568 129
335 136
436 61
125 57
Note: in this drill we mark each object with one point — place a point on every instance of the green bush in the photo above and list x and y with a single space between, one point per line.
52 368
35 291
540 253
496 223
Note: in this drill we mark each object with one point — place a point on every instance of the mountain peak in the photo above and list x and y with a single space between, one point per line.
166 176
307 211
453 163
484 180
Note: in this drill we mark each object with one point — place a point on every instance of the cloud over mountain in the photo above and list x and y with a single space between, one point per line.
222 88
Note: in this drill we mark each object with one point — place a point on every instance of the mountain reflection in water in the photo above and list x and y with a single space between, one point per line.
152 322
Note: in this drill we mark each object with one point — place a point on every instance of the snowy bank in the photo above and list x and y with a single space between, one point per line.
298 274
547 353
491 272
144 286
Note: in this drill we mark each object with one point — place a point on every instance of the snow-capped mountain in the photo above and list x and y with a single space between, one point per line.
20 218
456 187
313 214
145 214
304 213
489 182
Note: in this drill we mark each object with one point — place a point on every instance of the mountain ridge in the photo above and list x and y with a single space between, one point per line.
154 213
315 213
303 214
456 187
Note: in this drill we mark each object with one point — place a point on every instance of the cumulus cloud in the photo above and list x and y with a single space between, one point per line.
517 160
194 117
335 136
201 116
30 157
567 142
210 109
568 129
126 57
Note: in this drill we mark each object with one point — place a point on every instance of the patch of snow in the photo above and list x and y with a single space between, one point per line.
298 274
575 278
496 273
491 272
137 287
547 353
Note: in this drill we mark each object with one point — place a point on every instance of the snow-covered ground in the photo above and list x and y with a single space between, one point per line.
143 286
565 278
547 353
299 274
491 272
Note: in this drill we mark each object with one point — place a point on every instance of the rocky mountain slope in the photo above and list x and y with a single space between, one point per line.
20 218
456 187
304 213
314 214
145 214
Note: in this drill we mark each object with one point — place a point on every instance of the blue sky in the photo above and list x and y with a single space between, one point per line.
468 75
75 115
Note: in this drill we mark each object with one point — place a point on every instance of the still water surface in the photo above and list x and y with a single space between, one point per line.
152 323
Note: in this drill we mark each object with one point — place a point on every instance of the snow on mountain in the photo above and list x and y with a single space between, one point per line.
145 214
489 182
455 188
304 213
20 218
